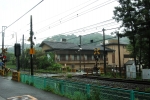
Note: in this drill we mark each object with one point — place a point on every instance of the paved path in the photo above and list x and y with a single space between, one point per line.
9 88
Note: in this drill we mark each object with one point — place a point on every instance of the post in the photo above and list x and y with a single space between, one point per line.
104 50
31 43
23 53
131 95
119 55
44 83
88 90
80 52
3 33
16 36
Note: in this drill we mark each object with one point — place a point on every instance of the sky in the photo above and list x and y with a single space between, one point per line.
54 17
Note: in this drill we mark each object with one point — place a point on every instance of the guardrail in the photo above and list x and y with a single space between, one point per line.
81 91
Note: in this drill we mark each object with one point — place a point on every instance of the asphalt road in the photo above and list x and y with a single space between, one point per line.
9 88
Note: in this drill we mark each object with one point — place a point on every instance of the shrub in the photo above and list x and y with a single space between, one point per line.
69 75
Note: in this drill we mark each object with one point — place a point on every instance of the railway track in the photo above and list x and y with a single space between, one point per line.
142 82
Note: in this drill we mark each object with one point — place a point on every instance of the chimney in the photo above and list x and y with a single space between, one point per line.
63 40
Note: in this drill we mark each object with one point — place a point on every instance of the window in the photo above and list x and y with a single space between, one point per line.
113 58
62 57
127 56
75 57
89 57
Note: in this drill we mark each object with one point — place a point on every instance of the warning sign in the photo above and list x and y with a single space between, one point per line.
32 51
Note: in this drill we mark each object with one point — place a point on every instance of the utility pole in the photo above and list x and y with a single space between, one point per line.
119 54
104 50
31 43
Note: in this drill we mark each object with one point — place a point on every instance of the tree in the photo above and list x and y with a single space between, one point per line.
135 18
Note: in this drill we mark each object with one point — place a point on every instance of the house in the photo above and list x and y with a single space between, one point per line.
113 59
70 55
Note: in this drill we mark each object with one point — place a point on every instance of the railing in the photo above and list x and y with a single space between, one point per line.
81 91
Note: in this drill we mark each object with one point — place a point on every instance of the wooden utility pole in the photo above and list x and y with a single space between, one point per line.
119 54
104 53
31 44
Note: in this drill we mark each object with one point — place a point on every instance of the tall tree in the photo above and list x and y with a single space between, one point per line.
135 18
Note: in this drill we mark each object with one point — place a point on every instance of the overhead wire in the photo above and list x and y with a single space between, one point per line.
73 12
69 10
105 4
81 28
58 22
24 14
59 13
68 15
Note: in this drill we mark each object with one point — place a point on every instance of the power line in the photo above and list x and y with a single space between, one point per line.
25 14
59 14
103 4
71 9
67 15
63 20
83 28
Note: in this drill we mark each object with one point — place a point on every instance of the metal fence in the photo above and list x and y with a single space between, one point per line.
81 91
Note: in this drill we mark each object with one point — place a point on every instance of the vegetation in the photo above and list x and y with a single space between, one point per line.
134 15
69 75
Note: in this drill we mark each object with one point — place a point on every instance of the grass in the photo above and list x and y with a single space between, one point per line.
11 66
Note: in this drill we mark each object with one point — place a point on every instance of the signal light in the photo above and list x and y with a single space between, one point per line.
17 49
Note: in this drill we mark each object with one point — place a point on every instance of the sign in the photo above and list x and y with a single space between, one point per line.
32 51
96 51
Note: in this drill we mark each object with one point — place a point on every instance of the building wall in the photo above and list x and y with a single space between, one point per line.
86 61
123 51
45 47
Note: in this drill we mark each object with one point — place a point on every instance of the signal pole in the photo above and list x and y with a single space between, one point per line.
3 33
31 41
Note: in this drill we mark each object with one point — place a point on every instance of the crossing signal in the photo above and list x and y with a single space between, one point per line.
96 51
4 51
17 49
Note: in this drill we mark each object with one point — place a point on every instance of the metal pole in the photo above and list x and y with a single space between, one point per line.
119 54
16 36
104 50
80 52
3 33
23 53
31 36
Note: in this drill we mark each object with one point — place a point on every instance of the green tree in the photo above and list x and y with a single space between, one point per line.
135 18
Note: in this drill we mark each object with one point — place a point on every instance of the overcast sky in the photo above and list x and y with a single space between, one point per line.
52 17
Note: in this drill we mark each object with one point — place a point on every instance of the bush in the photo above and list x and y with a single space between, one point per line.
69 75
79 96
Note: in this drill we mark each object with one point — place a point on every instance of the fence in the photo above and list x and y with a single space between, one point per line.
81 91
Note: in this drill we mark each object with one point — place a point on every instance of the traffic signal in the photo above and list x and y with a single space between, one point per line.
17 49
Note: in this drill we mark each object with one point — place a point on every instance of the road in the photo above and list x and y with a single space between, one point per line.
9 88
